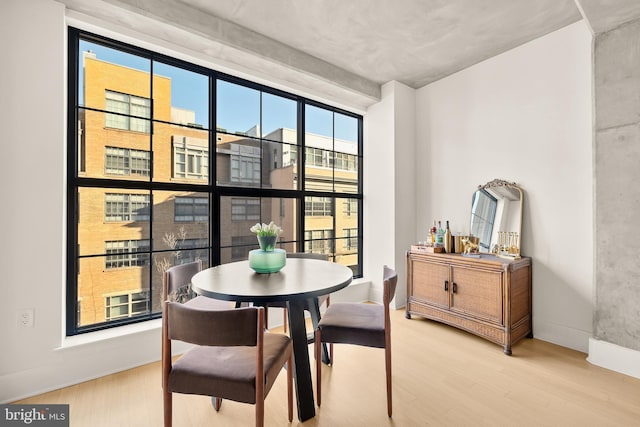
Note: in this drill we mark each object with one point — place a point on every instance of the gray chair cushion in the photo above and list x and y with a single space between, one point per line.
228 372
353 323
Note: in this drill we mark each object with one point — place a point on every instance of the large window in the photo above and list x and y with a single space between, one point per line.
171 162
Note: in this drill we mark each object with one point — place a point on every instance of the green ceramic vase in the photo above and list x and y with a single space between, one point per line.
267 243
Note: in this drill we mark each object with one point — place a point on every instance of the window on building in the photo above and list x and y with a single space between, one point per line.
126 305
245 164
319 241
351 239
170 162
126 253
351 207
191 209
128 107
193 250
345 162
126 207
123 161
190 161
318 206
243 209
318 157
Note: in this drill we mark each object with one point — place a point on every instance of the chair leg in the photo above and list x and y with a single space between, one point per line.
260 413
290 387
387 357
284 316
317 346
217 403
328 302
168 407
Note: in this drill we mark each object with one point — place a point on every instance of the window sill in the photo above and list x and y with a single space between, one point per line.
136 328
108 334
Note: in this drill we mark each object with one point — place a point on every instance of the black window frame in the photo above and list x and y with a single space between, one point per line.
77 181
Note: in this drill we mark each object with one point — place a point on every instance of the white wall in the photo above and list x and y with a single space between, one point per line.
32 170
378 188
33 259
523 116
389 187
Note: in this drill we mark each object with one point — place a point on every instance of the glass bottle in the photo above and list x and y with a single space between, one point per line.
440 236
433 234
447 239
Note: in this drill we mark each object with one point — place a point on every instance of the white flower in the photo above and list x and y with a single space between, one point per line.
263 229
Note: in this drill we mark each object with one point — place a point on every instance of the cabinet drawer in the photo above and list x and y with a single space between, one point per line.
477 293
428 283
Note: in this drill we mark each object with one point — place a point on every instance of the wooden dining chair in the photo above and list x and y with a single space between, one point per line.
233 356
176 283
360 324
321 299
176 286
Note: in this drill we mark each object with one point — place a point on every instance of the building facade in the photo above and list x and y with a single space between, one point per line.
128 233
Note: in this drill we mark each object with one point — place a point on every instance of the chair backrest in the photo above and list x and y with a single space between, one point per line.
178 276
390 280
212 327
233 327
322 257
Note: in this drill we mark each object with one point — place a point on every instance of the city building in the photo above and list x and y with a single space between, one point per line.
119 272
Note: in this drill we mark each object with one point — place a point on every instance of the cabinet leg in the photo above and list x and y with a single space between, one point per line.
530 334
507 350
407 315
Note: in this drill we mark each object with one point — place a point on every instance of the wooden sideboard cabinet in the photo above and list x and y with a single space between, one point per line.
487 296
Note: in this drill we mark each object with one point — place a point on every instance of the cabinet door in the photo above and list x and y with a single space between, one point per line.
477 293
429 283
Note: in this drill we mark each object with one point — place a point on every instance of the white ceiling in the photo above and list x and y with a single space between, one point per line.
358 45
412 41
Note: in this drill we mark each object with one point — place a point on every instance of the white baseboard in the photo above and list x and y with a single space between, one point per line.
614 357
573 338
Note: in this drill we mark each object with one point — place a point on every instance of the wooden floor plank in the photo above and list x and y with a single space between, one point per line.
441 377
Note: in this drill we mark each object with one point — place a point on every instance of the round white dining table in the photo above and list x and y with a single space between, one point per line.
298 284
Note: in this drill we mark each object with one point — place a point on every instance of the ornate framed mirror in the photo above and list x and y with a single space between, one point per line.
496 218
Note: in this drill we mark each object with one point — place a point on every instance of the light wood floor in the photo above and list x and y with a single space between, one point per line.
441 377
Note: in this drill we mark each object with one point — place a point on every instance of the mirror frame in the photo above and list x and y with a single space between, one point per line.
514 251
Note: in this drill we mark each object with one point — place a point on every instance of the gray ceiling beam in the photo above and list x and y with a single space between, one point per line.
232 43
